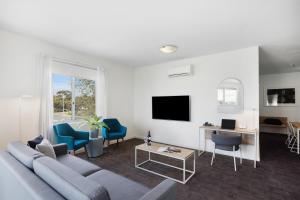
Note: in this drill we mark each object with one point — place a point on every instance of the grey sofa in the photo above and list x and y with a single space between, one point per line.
27 174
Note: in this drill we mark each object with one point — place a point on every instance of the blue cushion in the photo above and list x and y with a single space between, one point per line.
113 124
79 143
116 135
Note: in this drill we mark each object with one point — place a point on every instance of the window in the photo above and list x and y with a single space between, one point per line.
73 100
228 96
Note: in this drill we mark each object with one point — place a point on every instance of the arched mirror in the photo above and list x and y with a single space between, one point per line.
230 96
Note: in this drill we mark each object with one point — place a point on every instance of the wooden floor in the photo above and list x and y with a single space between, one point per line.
276 178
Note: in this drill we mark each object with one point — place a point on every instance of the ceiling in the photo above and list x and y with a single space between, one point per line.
132 31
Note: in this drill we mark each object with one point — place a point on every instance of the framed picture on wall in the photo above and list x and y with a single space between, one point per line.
280 96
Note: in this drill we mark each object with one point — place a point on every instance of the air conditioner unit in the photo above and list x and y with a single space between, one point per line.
180 71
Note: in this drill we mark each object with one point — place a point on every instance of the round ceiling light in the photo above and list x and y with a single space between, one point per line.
168 49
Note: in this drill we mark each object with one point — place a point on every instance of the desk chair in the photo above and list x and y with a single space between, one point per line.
227 143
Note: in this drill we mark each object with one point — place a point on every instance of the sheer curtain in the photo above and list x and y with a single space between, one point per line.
101 106
46 98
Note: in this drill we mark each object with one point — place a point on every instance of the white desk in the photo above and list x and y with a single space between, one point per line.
238 130
297 127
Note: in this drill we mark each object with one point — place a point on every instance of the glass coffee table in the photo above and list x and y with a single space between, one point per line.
183 156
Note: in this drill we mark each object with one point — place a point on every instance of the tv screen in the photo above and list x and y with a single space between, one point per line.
171 108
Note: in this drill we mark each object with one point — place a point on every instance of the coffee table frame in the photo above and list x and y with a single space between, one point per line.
183 159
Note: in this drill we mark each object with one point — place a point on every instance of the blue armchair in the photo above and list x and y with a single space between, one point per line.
64 133
115 132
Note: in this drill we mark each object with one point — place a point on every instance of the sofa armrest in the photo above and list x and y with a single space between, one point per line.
60 149
166 190
123 129
104 132
69 140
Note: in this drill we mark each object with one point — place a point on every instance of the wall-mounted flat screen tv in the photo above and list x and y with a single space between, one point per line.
171 108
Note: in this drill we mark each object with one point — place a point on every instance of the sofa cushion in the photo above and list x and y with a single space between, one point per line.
80 143
23 153
272 121
119 187
77 164
19 182
46 148
115 135
35 141
60 149
67 182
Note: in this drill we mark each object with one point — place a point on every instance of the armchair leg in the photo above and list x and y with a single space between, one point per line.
122 139
117 141
103 140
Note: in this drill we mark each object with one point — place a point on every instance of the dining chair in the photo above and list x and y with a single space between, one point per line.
292 138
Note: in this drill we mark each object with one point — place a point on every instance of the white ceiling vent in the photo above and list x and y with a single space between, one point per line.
180 71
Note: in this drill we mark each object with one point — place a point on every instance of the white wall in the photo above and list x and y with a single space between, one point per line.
280 80
18 75
209 71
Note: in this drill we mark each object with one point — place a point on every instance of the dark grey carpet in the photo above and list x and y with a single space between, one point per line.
277 176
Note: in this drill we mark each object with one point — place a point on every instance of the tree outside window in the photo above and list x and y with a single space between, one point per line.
73 100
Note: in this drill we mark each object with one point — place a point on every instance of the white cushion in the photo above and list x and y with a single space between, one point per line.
46 148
